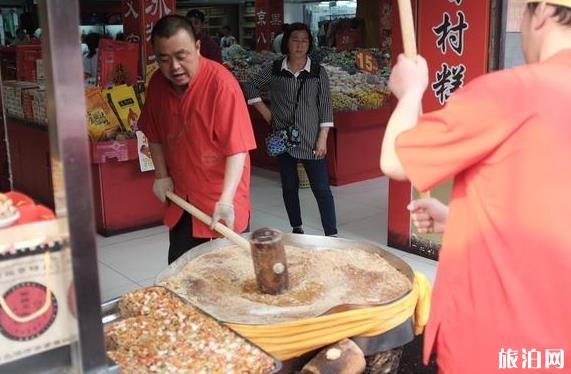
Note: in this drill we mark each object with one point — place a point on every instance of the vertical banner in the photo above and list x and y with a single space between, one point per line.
453 36
269 21
139 18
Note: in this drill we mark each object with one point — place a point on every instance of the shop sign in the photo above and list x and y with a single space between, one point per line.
453 37
139 18
269 21
366 62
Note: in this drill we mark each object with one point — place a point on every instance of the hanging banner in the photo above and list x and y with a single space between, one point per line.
269 22
453 37
139 18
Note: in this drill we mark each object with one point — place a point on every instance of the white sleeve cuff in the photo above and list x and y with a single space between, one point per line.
326 124
254 100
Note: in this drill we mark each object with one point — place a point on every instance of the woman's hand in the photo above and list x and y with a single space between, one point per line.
264 111
321 145
428 215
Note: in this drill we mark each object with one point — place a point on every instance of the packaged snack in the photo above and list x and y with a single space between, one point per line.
124 102
118 62
101 121
149 71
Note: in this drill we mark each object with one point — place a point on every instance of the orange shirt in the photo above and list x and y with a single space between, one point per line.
504 274
197 132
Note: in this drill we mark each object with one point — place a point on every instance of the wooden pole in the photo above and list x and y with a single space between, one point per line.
409 42
206 219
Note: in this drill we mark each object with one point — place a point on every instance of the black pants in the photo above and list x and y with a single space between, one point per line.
318 179
181 239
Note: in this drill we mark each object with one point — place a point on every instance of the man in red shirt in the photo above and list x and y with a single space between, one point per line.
209 48
501 298
199 132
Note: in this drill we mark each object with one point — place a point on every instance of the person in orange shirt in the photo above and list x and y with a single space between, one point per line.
501 298
199 130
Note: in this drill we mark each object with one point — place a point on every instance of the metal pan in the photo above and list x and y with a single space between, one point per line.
110 313
311 242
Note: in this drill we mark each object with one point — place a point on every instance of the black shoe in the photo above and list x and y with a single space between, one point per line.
297 230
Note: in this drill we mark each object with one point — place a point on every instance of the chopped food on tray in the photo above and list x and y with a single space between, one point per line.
159 333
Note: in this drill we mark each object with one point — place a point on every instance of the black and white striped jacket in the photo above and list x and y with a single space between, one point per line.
314 109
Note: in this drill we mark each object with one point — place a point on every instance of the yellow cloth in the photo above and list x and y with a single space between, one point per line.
566 3
292 339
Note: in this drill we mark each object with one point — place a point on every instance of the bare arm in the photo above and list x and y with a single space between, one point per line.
158 157
263 109
321 145
409 79
404 117
232 177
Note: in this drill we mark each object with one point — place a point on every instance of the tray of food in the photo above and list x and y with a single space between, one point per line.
152 330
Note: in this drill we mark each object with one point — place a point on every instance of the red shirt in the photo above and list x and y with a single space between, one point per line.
197 132
505 265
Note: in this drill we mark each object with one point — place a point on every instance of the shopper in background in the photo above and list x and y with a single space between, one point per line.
8 39
227 38
277 43
208 47
90 59
22 37
502 287
301 106
200 133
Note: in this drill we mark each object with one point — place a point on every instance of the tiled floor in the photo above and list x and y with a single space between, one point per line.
132 260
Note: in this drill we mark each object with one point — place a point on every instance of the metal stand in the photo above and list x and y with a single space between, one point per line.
59 21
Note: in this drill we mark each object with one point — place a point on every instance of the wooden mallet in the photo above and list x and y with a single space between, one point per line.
409 42
265 244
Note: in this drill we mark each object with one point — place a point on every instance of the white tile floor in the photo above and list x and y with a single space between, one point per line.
132 260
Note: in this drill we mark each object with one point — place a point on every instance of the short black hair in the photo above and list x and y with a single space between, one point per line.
298 26
226 28
170 25
562 13
195 13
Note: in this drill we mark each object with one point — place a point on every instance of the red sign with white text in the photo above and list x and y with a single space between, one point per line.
139 17
269 21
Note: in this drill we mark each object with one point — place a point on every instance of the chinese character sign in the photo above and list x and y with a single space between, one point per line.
269 21
453 37
139 17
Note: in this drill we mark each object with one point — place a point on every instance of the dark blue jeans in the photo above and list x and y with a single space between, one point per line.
319 180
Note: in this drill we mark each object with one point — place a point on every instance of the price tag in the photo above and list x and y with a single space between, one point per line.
366 62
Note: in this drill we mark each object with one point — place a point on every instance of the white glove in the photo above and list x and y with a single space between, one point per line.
161 186
224 212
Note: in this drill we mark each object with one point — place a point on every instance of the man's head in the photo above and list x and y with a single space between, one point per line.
21 33
177 49
196 17
545 26
226 31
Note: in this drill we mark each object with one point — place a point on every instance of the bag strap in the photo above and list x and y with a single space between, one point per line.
47 303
